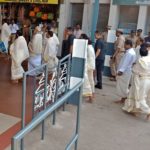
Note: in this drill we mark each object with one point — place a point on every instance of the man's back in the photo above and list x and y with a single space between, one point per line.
100 45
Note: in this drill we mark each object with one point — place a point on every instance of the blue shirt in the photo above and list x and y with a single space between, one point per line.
100 45
127 61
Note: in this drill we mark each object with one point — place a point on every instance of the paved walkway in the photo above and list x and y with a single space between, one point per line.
104 126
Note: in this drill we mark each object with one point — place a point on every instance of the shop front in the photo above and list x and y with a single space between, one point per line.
36 10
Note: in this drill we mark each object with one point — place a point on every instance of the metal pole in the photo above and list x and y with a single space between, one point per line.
56 92
45 98
67 78
33 104
23 106
94 19
78 116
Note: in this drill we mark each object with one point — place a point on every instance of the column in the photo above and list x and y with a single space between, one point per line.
87 15
114 16
142 17
64 21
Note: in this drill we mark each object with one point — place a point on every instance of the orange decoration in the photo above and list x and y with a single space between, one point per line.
36 9
45 16
32 14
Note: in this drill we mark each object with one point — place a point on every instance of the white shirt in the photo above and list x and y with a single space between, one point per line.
14 28
127 61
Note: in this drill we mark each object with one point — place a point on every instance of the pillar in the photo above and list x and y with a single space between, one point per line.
142 17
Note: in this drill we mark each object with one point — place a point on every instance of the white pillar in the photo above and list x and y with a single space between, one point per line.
87 14
114 16
64 21
142 18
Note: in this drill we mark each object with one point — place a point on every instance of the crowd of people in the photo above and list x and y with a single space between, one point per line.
130 68
41 48
130 63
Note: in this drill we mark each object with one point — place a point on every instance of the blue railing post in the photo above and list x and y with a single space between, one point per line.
78 116
23 106
94 19
45 98
56 92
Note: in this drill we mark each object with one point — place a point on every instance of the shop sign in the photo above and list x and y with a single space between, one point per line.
131 2
32 1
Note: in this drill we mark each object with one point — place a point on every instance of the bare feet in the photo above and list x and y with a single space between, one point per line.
148 117
14 81
120 101
93 95
90 100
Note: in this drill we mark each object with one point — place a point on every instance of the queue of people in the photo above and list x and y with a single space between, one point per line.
131 70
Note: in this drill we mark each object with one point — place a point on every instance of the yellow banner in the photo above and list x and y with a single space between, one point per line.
31 1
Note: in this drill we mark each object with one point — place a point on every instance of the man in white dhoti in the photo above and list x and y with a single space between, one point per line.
124 71
50 52
88 87
5 34
138 95
35 48
19 52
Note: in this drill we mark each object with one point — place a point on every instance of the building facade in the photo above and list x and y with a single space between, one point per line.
130 14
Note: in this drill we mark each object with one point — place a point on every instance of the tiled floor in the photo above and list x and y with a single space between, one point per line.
7 122
11 101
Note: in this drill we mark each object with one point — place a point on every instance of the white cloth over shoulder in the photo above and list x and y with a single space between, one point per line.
36 48
50 53
5 35
57 41
36 45
137 51
19 52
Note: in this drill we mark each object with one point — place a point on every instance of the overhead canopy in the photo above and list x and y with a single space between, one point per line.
31 1
131 2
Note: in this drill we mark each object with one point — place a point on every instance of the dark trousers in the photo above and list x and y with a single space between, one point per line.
99 70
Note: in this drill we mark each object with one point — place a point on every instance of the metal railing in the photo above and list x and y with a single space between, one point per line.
17 140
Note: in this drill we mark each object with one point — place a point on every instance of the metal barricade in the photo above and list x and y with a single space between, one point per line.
48 96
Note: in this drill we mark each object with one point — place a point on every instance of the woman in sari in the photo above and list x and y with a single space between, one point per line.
88 87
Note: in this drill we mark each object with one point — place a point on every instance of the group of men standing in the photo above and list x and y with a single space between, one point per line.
42 48
130 67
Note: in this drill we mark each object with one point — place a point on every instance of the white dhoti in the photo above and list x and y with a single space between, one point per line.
5 35
19 53
87 87
137 100
123 84
33 62
16 70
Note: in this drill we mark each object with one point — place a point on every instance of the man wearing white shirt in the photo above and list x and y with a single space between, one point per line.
14 28
78 31
124 71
